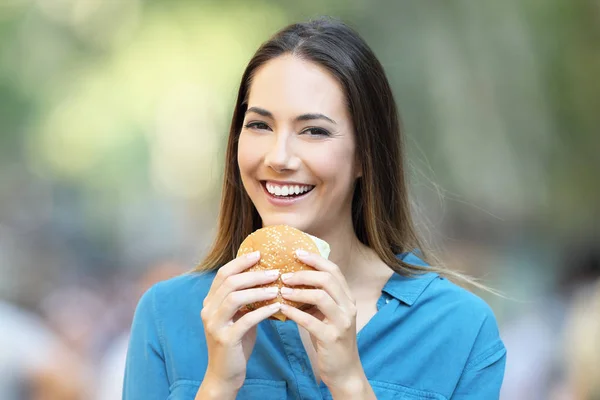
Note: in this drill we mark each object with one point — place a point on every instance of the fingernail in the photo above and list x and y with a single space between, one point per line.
286 290
253 256
301 253
272 272
272 290
287 276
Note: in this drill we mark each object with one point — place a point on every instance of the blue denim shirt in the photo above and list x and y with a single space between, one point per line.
430 339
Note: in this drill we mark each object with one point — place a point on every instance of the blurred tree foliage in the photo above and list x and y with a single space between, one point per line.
110 110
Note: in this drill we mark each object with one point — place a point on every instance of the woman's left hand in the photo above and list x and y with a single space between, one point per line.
331 323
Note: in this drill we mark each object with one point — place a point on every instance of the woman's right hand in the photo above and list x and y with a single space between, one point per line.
231 333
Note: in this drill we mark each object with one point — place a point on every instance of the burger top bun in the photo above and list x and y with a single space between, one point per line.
277 245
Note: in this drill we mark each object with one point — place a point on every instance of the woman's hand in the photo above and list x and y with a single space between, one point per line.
331 324
231 333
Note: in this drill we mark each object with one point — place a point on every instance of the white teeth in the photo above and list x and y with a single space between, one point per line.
287 190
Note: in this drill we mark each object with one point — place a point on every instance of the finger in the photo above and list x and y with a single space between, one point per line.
315 327
242 311
235 266
253 318
241 281
314 311
322 280
322 264
234 301
318 298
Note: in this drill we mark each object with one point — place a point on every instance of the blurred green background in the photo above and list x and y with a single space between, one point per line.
114 116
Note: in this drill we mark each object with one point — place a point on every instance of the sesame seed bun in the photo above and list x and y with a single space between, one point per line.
277 245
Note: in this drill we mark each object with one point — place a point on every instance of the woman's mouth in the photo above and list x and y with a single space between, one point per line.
284 194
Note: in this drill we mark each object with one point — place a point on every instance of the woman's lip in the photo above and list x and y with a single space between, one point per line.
283 201
282 183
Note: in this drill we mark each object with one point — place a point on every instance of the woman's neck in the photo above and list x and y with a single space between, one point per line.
349 253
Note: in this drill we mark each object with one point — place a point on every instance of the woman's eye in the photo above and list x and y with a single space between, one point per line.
257 125
316 132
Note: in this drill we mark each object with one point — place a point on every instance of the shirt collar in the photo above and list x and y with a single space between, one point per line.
408 289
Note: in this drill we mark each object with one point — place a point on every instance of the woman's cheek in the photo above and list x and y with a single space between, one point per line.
246 153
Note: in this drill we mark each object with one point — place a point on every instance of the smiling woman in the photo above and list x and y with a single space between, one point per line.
315 143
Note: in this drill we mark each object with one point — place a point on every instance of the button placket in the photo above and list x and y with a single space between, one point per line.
292 343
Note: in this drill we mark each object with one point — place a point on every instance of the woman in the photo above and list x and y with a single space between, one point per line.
315 110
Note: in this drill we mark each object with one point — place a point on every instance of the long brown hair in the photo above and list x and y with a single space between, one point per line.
381 209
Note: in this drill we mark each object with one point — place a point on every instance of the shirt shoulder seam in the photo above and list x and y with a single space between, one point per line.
157 324
496 349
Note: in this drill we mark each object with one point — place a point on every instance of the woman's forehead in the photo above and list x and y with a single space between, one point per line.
288 86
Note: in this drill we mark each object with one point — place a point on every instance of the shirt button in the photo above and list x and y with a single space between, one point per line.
387 301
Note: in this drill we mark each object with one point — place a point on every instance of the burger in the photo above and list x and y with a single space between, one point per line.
277 245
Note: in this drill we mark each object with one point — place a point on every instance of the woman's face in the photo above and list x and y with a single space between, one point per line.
296 150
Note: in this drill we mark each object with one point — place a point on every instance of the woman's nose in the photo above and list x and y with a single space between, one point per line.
279 156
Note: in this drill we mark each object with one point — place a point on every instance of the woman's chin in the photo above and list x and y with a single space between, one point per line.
294 222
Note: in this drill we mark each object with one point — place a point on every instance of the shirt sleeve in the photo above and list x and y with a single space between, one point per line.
145 370
483 374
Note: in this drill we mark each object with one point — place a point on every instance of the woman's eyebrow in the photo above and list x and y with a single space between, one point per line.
308 117
260 111
303 117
